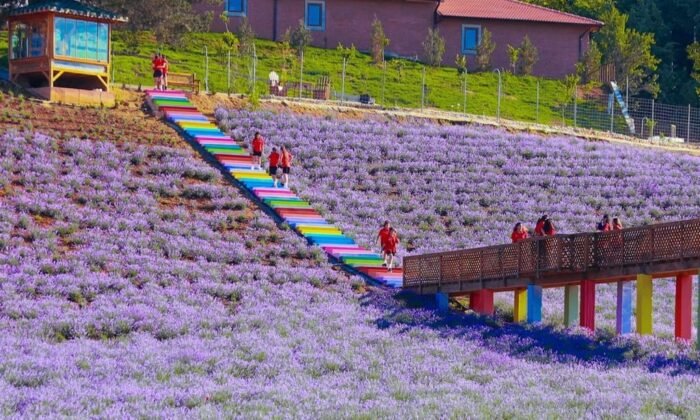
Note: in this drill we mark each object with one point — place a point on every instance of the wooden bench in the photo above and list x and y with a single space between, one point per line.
185 80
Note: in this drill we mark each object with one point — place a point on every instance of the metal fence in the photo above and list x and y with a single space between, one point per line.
401 84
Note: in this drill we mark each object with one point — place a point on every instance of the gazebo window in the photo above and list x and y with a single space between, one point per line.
81 39
28 40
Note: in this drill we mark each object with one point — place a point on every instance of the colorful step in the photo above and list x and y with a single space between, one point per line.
295 211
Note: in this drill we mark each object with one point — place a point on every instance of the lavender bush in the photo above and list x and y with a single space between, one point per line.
135 283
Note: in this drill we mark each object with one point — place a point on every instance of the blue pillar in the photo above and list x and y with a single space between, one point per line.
534 303
624 307
443 302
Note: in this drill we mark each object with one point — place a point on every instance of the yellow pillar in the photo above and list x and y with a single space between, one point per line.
645 308
520 306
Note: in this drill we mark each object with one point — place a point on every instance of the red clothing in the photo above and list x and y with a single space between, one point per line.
258 144
617 227
384 234
539 229
606 227
274 159
390 244
519 236
286 159
165 67
158 64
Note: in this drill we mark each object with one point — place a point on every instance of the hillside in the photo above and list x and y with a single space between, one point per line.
138 283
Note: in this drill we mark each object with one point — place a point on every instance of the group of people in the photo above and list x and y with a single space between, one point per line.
545 227
278 160
388 240
160 71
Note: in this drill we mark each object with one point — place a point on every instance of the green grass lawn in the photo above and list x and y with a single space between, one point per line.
402 77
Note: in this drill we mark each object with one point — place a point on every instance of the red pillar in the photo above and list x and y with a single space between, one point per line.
587 316
481 302
684 307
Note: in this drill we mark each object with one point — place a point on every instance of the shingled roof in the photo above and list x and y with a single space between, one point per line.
69 7
510 10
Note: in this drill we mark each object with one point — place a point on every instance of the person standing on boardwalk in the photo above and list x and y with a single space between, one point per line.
539 227
286 165
519 233
382 237
273 161
548 228
390 246
258 145
616 224
604 224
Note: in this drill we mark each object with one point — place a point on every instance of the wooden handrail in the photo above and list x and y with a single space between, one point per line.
536 258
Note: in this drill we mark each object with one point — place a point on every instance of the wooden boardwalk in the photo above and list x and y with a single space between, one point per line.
640 253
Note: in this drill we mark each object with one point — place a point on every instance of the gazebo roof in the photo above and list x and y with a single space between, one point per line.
69 7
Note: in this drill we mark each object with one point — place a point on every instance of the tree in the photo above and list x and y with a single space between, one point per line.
528 56
346 52
630 51
246 38
484 51
589 66
300 38
379 41
433 47
694 56
513 56
462 64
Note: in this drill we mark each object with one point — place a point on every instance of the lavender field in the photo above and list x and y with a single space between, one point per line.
135 283
449 187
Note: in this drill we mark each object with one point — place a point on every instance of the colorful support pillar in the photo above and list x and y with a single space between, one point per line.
571 305
520 305
684 307
442 301
587 317
645 308
481 302
624 307
534 303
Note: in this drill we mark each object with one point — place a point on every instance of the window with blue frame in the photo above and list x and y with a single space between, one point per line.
471 37
316 15
81 39
236 7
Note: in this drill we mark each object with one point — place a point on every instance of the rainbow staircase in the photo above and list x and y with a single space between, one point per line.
177 109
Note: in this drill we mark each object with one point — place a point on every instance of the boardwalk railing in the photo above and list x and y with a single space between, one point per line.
660 248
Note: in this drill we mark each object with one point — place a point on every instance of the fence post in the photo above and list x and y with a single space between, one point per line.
255 68
342 89
301 74
464 93
612 116
422 92
537 106
383 81
228 73
653 120
575 107
206 69
498 105
687 136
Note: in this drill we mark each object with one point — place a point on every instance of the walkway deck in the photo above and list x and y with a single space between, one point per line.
283 203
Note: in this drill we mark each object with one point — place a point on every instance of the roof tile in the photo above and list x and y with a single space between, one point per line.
510 10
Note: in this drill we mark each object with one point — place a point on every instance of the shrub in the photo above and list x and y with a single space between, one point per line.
379 41
433 47
484 51
528 56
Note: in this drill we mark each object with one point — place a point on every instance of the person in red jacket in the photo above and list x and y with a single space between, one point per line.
390 246
286 165
258 145
274 160
548 228
382 237
604 224
539 227
616 224
157 64
519 233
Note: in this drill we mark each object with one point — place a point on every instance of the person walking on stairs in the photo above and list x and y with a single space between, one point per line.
382 237
258 145
273 160
286 165
392 242
519 233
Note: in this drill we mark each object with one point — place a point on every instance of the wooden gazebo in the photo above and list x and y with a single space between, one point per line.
60 50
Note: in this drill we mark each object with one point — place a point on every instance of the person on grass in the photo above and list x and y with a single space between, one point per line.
165 71
273 160
519 233
286 165
157 65
390 246
258 145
